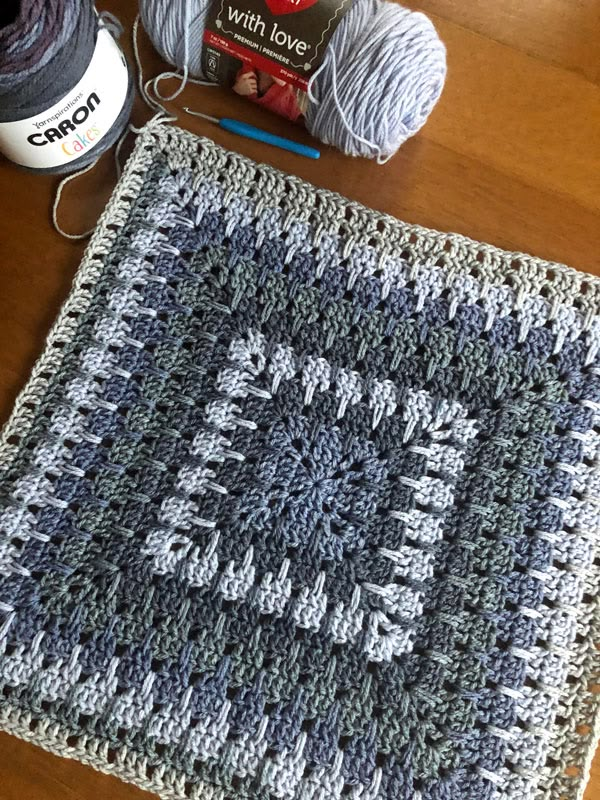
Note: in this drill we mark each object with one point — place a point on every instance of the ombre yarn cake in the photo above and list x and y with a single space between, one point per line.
301 502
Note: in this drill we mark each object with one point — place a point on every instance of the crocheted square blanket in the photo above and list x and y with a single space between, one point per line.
301 502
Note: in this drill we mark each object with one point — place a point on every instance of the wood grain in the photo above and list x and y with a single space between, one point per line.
511 155
561 32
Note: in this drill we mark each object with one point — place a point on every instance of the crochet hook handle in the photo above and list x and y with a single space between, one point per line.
250 132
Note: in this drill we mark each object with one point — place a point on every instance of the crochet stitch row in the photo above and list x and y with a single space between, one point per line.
302 502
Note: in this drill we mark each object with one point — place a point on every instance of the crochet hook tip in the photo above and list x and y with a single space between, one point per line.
200 114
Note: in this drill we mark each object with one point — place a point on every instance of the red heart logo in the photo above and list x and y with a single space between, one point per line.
278 7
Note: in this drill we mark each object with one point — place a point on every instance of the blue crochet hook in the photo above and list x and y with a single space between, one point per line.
250 132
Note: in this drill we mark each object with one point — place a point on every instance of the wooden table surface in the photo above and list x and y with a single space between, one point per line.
511 155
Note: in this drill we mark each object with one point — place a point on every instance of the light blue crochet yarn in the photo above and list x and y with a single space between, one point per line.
383 71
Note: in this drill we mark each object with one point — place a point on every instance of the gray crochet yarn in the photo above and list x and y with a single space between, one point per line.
45 49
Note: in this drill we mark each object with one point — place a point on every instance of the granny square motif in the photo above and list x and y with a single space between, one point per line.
301 502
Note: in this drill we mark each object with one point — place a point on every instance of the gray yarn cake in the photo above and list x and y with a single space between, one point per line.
301 502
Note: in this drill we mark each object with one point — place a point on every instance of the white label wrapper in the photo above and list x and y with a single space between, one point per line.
73 126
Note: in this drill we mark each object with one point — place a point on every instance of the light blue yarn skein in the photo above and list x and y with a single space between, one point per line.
383 72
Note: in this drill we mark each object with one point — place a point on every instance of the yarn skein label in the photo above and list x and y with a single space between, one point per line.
267 50
73 126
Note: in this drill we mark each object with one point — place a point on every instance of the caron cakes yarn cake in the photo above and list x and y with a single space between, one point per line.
301 502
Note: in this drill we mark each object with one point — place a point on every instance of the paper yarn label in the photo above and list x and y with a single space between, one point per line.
74 125
267 50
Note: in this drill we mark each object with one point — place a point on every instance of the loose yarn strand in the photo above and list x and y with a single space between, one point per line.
160 114
56 204
68 178
152 104
112 24
186 52
334 89
152 99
